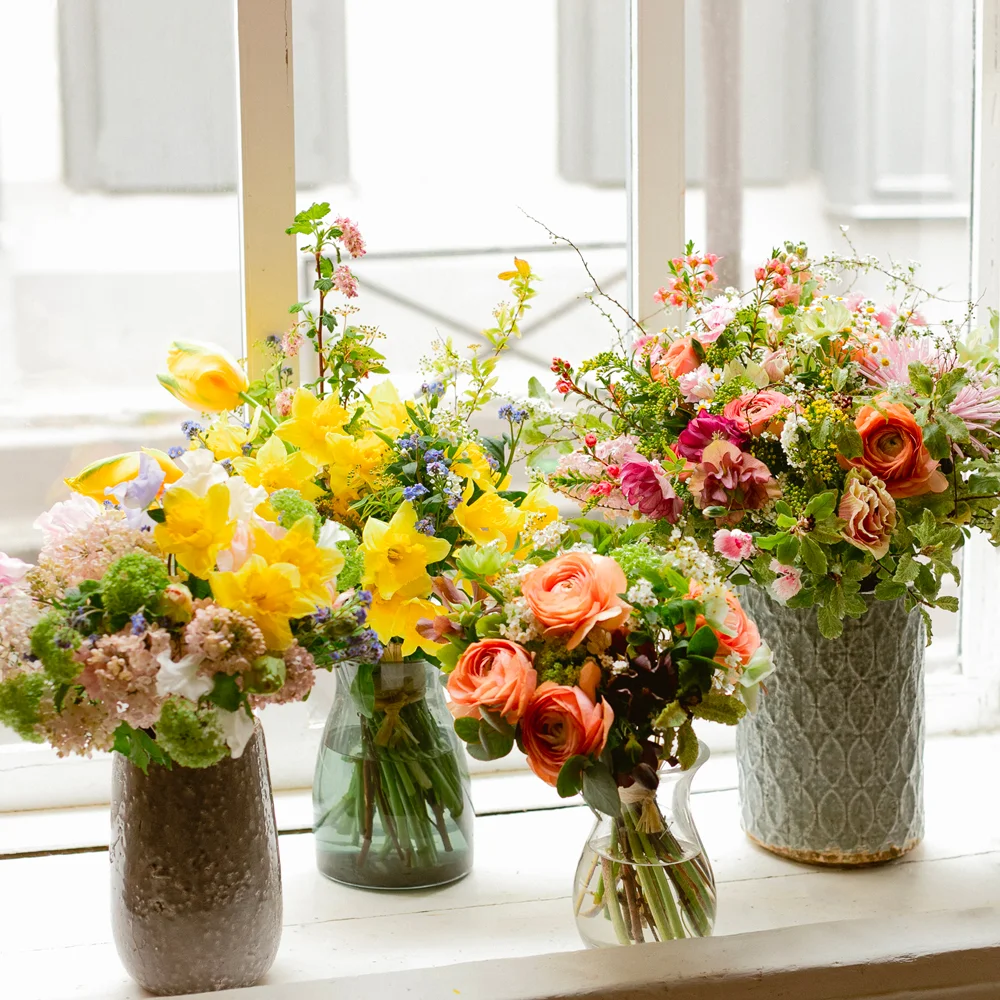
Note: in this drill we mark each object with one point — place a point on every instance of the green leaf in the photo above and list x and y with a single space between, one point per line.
787 550
139 748
812 555
570 779
889 590
467 729
948 602
830 625
497 721
921 378
600 791
492 745
537 391
672 717
907 570
703 643
822 505
225 692
936 441
848 440
715 707
489 625
158 515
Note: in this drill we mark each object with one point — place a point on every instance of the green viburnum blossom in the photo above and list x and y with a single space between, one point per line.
190 735
291 507
54 643
20 697
133 582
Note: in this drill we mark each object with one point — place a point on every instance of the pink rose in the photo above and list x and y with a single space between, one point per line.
758 411
789 581
562 722
776 364
870 513
734 545
494 674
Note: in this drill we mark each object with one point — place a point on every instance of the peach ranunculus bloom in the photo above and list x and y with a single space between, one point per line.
678 359
740 637
560 723
495 674
758 411
575 593
894 451
870 513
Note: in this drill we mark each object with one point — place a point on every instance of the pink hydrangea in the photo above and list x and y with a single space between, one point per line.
734 545
646 487
345 282
81 726
227 640
350 237
788 583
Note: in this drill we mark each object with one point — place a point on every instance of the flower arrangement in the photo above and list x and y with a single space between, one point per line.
158 619
820 443
595 649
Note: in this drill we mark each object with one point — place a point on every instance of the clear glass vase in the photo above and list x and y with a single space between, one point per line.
644 875
391 800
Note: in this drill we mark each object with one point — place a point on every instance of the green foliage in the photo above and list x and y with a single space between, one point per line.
54 643
715 707
687 746
190 735
354 564
138 747
20 698
131 583
265 676
291 507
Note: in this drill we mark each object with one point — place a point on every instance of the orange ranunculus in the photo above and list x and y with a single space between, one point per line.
575 593
560 723
495 674
894 452
758 411
740 636
869 513
679 359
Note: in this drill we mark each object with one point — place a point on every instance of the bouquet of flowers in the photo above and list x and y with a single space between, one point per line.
824 445
596 648
170 600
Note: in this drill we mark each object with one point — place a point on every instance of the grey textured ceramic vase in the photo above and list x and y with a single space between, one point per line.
831 766
195 877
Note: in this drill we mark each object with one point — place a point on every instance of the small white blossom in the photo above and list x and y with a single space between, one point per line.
641 594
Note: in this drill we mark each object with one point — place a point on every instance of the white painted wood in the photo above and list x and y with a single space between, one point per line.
516 902
266 170
656 149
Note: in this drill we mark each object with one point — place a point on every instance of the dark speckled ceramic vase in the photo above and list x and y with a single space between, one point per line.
195 877
831 766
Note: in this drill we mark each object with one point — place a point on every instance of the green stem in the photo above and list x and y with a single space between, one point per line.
269 421
611 901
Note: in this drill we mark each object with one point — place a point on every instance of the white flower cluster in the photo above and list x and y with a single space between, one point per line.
521 625
18 616
794 422
641 594
689 560
548 537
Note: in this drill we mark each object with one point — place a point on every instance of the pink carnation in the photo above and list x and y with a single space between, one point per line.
345 282
350 237
645 486
788 583
734 545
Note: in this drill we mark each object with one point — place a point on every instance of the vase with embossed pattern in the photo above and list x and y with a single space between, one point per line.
831 765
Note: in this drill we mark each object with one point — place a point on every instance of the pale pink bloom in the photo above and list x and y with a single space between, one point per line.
716 319
649 346
978 407
887 360
615 450
345 282
776 364
350 237
646 487
283 402
291 341
66 517
734 545
788 583
854 300
12 570
698 385
232 559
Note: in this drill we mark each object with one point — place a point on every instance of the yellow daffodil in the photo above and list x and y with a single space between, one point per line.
490 518
226 439
471 464
540 507
107 473
275 469
397 555
269 593
354 462
317 566
204 376
386 411
397 619
195 529
310 422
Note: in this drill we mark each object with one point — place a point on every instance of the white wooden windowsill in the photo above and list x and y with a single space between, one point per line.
55 938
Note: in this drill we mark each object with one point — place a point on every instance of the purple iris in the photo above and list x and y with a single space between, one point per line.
703 430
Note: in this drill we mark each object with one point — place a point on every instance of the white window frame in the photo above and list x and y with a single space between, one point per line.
33 777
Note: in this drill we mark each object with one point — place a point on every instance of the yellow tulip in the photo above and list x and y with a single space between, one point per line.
195 529
275 469
397 619
310 422
107 473
490 518
203 376
269 593
397 555
317 566
225 439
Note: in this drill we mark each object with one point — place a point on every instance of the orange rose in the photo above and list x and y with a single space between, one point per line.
679 359
758 411
575 593
894 452
742 638
493 674
560 723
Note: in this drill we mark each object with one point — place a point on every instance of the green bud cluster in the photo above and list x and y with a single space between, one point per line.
638 560
354 564
133 582
190 735
20 698
54 643
291 507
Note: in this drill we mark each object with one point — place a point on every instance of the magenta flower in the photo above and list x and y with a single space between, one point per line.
734 545
646 487
702 431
